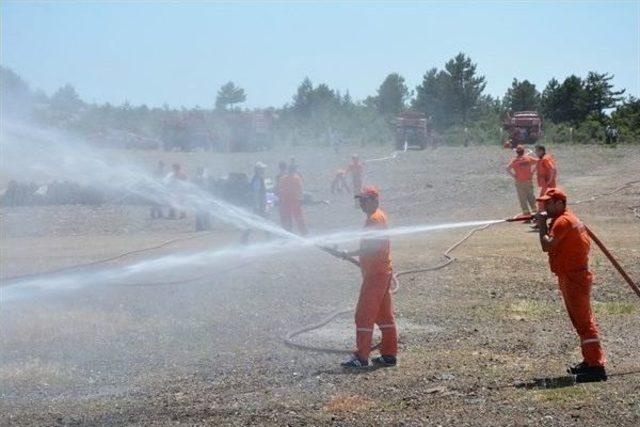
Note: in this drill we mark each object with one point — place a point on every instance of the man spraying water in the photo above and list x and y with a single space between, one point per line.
375 305
567 242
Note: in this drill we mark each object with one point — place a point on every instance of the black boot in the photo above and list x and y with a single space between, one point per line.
384 361
577 368
591 374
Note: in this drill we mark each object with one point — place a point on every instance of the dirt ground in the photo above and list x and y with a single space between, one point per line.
161 350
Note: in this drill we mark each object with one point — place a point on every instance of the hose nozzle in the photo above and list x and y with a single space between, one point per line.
520 218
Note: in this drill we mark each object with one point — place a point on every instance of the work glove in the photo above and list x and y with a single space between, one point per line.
541 217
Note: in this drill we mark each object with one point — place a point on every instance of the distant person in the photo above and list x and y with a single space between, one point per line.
335 140
375 305
567 242
156 207
175 181
282 171
258 195
291 194
611 134
521 169
546 171
356 170
203 217
294 164
339 183
516 137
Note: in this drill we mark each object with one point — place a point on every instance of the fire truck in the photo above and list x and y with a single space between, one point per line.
523 127
249 131
188 132
412 130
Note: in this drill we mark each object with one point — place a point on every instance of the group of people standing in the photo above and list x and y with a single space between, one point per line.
522 168
176 181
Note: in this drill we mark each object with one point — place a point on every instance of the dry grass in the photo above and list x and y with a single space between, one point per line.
349 403
36 373
615 307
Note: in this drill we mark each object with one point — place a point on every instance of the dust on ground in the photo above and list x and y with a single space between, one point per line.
210 351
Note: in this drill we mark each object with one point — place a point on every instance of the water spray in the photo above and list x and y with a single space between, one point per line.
33 285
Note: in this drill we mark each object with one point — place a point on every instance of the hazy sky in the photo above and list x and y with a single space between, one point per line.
180 53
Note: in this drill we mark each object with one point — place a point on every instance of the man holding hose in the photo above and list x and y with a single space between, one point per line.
567 242
375 305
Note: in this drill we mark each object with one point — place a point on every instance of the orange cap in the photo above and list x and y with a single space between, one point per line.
553 193
519 149
367 192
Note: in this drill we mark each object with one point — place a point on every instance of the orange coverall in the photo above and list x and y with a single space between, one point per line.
522 167
569 260
547 173
290 193
375 304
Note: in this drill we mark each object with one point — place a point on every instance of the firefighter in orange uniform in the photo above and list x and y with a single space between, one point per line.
356 169
567 242
290 194
521 169
546 171
375 305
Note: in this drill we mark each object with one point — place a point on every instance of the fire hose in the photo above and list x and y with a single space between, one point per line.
392 156
449 258
613 261
395 283
602 247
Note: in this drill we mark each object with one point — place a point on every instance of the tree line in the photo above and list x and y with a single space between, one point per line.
453 97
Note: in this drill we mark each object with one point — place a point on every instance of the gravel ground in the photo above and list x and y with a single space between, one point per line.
151 351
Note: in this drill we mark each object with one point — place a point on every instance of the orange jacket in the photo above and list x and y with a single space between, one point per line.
546 171
571 254
523 167
290 190
378 261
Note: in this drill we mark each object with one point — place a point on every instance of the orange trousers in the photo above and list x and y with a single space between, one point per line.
290 213
576 292
375 306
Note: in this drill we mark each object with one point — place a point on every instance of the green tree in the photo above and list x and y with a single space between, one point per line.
15 95
392 95
450 96
566 102
228 95
627 116
600 94
431 97
65 107
465 86
302 100
66 99
309 101
550 100
522 96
